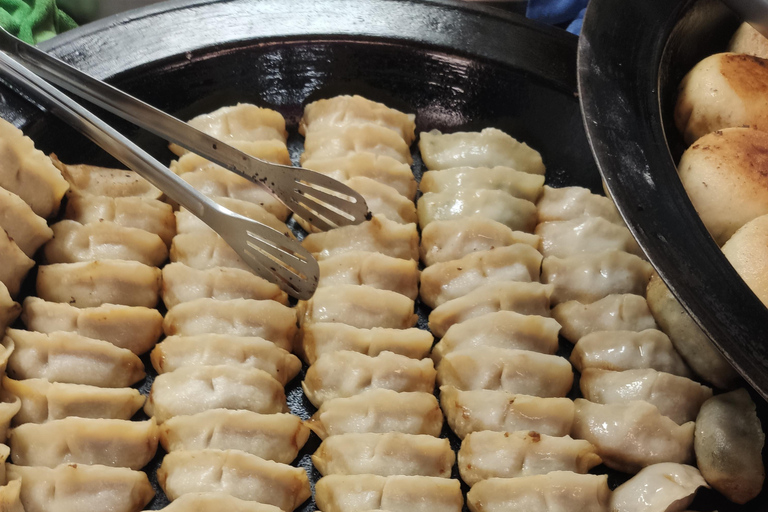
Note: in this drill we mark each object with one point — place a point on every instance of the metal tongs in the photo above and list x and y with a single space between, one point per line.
754 12
322 201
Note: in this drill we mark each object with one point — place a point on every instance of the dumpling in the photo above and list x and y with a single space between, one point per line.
558 491
502 329
348 110
379 411
448 240
454 203
272 150
277 437
9 407
28 173
449 280
396 493
15 265
93 283
570 203
384 200
514 371
221 349
590 277
633 435
729 442
658 488
108 442
488 148
344 374
79 487
473 411
73 242
215 502
9 309
358 306
564 238
102 181
488 454
677 397
182 283
325 337
205 251
383 169
377 235
343 141
519 184
748 40
71 358
190 390
239 317
10 496
23 226
135 328
43 401
524 298
234 472
371 269
132 212
393 453
627 350
612 313
188 222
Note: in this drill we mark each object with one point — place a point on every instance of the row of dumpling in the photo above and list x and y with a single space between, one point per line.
369 374
219 396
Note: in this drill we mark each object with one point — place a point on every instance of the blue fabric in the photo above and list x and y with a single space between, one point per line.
557 12
575 26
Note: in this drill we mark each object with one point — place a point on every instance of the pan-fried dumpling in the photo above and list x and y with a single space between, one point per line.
449 280
118 443
344 374
514 371
234 472
658 488
558 491
448 240
519 184
590 277
454 203
677 397
346 140
379 411
239 317
187 222
384 200
748 40
9 407
488 148
627 350
377 235
215 502
396 493
612 313
488 454
221 349
93 283
28 172
277 437
358 306
43 401
73 242
502 329
79 487
564 238
570 203
204 251
182 283
132 327
193 389
729 443
9 309
472 411
348 110
71 358
393 453
23 225
102 181
632 436
371 269
325 337
10 496
15 265
383 169
524 298
132 212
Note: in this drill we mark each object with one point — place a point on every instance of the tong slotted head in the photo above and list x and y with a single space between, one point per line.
270 253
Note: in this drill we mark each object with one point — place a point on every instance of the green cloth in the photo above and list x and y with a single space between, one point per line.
33 21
